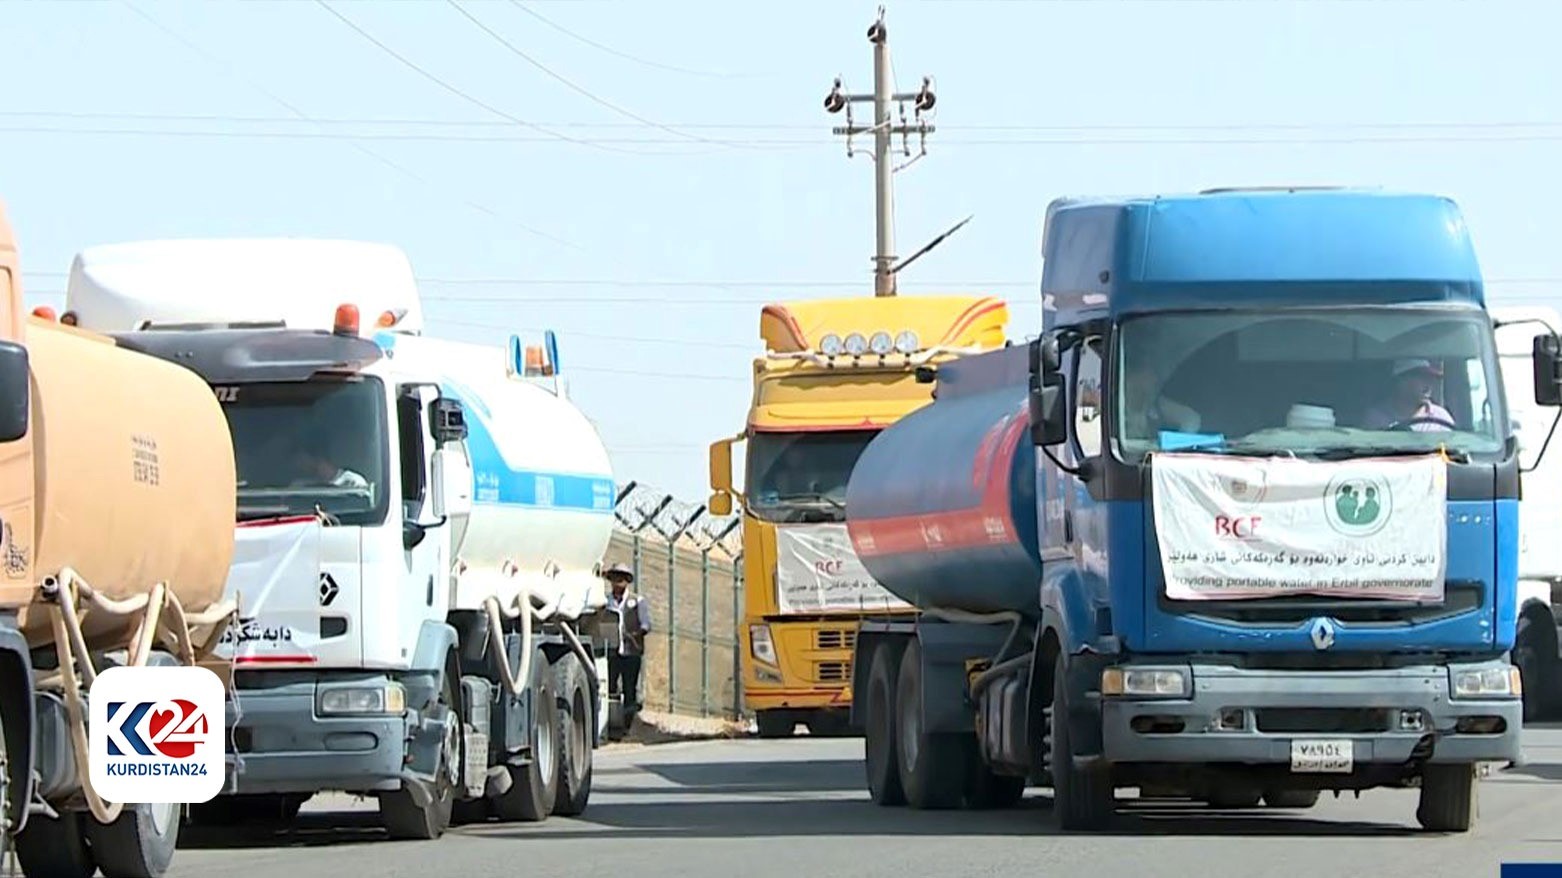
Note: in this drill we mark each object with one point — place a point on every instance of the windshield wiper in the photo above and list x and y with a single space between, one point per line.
1346 452
814 496
254 513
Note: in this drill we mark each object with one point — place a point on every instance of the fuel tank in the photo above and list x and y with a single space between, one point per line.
941 506
133 477
542 483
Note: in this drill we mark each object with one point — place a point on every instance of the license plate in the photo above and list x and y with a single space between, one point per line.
1326 756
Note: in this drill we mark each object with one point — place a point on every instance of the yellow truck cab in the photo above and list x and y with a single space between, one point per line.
833 374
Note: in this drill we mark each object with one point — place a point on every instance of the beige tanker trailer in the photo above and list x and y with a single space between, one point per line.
117 494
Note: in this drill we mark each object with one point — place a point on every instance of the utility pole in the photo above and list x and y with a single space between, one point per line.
883 131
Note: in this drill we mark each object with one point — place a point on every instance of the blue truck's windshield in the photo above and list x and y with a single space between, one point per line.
305 445
1326 382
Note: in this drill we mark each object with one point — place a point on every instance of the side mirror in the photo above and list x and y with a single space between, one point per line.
1548 370
1048 416
1048 412
14 383
720 503
447 420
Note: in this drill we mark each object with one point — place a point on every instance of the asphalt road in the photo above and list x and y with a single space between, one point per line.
798 808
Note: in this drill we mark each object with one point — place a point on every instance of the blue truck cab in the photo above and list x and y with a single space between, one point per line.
1275 510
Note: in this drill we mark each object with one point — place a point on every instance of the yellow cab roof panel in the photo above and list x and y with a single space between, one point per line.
938 321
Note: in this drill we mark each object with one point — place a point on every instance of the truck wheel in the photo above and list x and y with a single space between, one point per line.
535 786
1535 655
139 844
1291 798
574 732
400 813
775 723
1448 798
1081 798
932 765
56 847
879 737
985 789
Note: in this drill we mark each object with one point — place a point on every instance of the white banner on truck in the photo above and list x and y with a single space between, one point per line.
1232 528
276 577
817 571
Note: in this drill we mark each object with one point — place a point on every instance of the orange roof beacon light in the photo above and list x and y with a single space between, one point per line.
534 360
346 320
45 312
391 317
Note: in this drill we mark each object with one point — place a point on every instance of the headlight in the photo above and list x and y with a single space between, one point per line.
907 342
1144 681
830 345
881 343
1488 682
856 345
760 645
390 699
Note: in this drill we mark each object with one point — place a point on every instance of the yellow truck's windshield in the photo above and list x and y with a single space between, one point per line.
801 477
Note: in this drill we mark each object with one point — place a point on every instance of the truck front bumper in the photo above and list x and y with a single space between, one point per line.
1228 715
284 744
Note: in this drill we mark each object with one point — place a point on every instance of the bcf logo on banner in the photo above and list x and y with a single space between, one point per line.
157 734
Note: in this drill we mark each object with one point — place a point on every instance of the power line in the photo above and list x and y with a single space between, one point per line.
611 144
395 166
757 126
477 102
626 56
516 50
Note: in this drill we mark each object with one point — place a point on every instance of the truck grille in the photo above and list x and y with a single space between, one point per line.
832 672
1460 597
835 638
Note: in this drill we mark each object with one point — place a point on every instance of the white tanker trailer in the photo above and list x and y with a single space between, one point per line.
421 525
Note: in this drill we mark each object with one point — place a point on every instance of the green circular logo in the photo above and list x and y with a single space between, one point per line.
1358 504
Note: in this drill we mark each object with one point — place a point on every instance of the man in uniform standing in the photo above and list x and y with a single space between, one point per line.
626 644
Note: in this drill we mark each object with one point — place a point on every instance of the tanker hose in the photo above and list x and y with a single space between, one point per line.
991 675
580 649
961 616
515 681
63 641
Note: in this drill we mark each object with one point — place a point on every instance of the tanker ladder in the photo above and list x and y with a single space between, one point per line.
55 834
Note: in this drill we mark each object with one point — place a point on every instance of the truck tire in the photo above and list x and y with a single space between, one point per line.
140 843
400 813
932 764
1448 798
1291 798
575 730
1081 799
535 786
1535 655
775 723
984 789
56 847
879 752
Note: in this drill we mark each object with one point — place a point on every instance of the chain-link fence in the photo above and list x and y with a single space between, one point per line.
688 567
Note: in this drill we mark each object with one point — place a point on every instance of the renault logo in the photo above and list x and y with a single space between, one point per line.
1323 634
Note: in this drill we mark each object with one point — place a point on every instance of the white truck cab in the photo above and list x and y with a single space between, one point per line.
421 526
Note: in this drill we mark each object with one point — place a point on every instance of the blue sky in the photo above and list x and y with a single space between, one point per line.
645 207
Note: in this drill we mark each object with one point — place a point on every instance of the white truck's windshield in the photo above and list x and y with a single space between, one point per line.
801 477
1324 383
303 446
